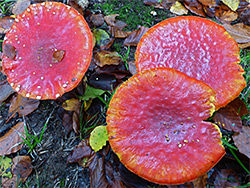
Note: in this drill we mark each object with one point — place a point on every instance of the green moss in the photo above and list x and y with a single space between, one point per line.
245 63
134 13
245 94
1 43
118 47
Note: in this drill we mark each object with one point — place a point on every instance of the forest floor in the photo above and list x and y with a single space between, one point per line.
54 161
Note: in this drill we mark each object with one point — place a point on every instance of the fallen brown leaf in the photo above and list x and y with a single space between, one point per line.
106 82
195 7
119 71
9 183
22 105
21 169
103 58
110 19
108 44
227 118
163 4
242 141
224 14
5 24
227 16
201 181
239 106
113 176
97 172
116 26
58 56
210 11
243 5
210 3
20 6
132 67
9 51
68 121
167 3
76 121
66 117
97 19
132 180
118 33
185 185
39 1
134 37
120 24
224 178
112 69
244 45
76 5
83 150
223 7
154 3
9 143
240 32
245 15
5 90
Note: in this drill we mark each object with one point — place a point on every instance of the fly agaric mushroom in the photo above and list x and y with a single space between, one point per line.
47 51
158 132
198 47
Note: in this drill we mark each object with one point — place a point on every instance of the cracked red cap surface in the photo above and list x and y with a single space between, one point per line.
156 128
47 51
198 47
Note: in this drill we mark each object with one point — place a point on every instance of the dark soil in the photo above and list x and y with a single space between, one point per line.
49 158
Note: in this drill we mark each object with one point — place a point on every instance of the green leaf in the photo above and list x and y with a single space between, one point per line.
98 138
102 37
91 92
5 167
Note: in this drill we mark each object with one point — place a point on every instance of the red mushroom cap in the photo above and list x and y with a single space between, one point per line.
155 126
198 47
53 49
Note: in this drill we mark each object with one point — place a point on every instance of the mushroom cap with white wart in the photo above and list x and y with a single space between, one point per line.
47 50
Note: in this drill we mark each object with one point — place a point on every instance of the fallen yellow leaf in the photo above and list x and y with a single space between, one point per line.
178 9
232 4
